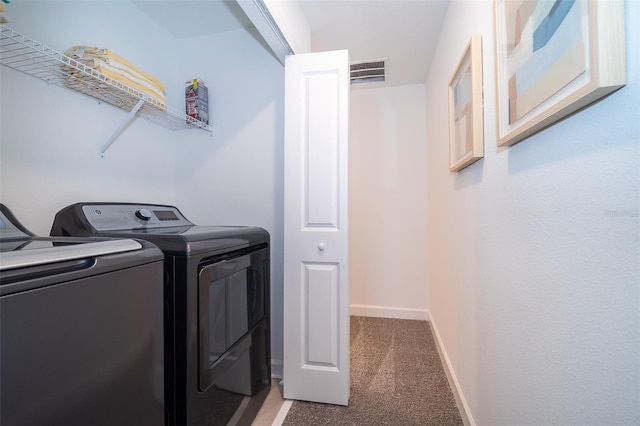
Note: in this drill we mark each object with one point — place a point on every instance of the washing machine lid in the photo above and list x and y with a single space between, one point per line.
20 248
20 253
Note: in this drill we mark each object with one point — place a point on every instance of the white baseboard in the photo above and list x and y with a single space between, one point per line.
276 369
282 413
389 312
465 412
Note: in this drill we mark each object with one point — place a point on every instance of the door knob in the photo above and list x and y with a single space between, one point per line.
321 246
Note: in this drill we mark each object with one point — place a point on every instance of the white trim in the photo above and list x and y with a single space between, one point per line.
389 312
292 24
463 407
259 15
282 414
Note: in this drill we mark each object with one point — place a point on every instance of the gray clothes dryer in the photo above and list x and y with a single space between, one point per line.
217 306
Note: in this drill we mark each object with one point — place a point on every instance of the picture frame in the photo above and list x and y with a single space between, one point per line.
466 128
554 58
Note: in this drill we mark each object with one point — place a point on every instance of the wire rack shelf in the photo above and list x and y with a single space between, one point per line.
37 60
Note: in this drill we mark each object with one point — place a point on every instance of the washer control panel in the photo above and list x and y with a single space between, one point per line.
106 217
8 229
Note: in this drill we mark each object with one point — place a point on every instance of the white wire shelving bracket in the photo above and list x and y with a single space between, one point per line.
37 60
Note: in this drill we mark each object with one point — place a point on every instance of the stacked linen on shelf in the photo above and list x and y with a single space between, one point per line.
3 18
119 69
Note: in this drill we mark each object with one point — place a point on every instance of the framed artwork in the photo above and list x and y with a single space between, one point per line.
466 130
554 57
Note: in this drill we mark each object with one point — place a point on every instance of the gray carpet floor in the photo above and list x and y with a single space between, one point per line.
396 379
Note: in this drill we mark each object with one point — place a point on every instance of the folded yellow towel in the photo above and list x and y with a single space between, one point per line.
118 69
99 89
151 91
126 77
112 59
3 18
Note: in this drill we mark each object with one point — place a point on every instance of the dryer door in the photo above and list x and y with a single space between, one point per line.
232 297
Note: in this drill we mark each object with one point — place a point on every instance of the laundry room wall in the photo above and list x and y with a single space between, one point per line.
236 177
534 279
51 137
388 202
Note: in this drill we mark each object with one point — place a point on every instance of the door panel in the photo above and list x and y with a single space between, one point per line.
316 287
321 333
320 151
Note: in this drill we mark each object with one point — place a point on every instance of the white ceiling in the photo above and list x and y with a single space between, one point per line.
405 32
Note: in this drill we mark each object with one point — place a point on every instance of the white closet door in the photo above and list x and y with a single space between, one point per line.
316 268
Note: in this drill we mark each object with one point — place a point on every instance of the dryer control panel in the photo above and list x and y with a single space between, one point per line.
106 217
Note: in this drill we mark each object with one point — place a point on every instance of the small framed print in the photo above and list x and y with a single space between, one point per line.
554 58
466 129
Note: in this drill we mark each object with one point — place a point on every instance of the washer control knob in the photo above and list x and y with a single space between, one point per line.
143 214
321 246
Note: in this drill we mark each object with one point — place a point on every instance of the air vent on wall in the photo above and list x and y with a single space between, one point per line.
368 71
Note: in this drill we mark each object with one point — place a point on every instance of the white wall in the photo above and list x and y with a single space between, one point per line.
51 137
534 281
236 177
388 202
